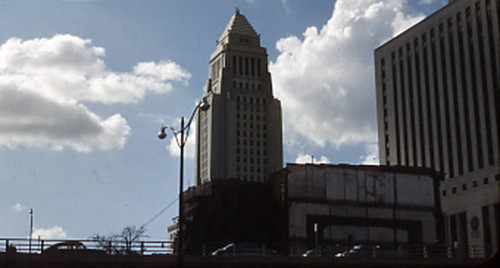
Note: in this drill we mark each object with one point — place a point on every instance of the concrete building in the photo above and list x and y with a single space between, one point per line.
438 106
240 136
358 204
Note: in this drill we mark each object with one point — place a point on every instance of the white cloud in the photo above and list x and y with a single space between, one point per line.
371 157
307 158
325 80
285 5
427 2
54 232
44 83
18 207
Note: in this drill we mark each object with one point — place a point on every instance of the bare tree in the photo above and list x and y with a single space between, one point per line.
113 244
131 234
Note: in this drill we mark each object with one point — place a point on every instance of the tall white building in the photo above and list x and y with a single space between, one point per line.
240 136
438 106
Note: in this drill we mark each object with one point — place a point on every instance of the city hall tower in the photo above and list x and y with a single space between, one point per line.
240 136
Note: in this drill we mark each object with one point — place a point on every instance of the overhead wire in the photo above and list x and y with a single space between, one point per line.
159 213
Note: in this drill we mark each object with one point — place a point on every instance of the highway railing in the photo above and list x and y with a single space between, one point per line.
373 251
38 246
338 251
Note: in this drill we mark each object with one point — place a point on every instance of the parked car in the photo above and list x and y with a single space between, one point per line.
243 249
312 253
72 247
371 251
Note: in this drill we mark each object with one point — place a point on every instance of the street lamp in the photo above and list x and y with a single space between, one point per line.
31 229
181 140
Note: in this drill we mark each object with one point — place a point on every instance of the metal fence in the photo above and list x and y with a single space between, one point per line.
430 251
38 246
403 251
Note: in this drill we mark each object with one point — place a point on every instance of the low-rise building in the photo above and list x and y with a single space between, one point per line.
353 204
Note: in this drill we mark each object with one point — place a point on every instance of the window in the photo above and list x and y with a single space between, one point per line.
253 66
444 192
454 189
246 67
474 184
464 187
234 67
486 180
240 66
258 68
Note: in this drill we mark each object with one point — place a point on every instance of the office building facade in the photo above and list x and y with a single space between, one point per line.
438 106
240 136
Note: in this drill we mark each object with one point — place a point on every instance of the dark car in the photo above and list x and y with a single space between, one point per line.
372 251
310 253
244 249
359 251
72 247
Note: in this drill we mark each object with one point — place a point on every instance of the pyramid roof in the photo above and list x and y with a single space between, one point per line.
240 25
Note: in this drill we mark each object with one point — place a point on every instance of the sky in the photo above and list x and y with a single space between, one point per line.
85 86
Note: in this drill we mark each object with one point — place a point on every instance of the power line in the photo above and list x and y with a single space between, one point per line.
161 212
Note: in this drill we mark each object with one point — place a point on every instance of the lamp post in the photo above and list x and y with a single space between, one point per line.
31 229
181 136
316 246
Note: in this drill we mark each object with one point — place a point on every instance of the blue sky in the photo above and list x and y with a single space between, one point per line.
85 86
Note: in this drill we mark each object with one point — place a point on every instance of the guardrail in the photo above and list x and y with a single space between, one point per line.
117 247
38 246
402 251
